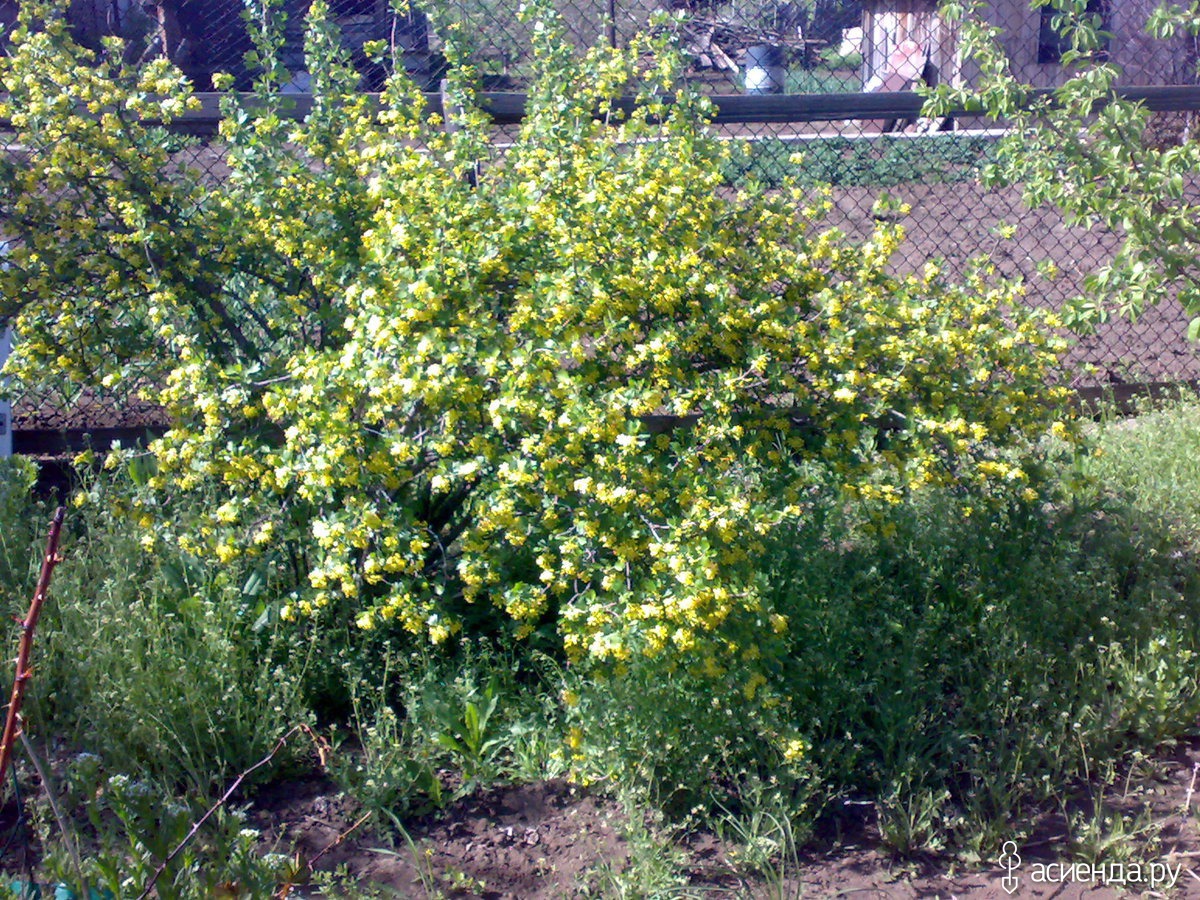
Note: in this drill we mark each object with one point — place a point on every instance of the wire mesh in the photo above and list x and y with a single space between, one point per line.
762 47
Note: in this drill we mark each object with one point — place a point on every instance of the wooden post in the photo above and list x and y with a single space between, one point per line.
5 405
165 14
12 721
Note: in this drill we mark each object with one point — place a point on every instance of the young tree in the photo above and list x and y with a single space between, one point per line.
1082 149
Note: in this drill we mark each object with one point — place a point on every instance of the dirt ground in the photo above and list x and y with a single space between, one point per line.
958 222
555 840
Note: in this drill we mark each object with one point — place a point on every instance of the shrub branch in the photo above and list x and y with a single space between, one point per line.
23 672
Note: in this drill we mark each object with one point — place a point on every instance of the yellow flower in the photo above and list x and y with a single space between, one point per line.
750 689
575 738
794 749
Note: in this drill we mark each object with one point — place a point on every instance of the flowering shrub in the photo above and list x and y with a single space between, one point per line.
578 385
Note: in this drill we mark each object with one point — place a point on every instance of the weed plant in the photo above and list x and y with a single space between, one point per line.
18 565
484 714
839 77
960 670
154 685
1153 460
832 59
147 659
132 827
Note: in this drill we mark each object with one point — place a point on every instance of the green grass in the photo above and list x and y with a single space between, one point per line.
883 161
959 670
154 662
823 80
1154 461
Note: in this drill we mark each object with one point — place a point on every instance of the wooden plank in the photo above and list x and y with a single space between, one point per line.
1094 400
509 107
1164 98
59 443
1128 398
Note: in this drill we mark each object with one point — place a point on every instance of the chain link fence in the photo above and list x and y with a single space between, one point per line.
844 50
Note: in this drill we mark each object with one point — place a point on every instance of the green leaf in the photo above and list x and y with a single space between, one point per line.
255 582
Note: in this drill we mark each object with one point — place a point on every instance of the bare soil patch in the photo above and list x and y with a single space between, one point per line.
554 839
518 841
955 223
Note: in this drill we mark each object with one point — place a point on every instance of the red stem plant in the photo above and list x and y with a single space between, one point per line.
28 626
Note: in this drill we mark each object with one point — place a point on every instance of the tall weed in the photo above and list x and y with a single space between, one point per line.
146 658
960 667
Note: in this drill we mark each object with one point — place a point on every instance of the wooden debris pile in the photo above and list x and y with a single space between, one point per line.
717 39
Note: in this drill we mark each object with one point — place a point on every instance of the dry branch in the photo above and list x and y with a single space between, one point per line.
23 672
237 782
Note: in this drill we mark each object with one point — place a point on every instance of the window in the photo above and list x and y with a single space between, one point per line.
342 8
1052 44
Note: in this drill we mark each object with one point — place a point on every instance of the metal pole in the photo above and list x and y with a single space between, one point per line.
612 23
